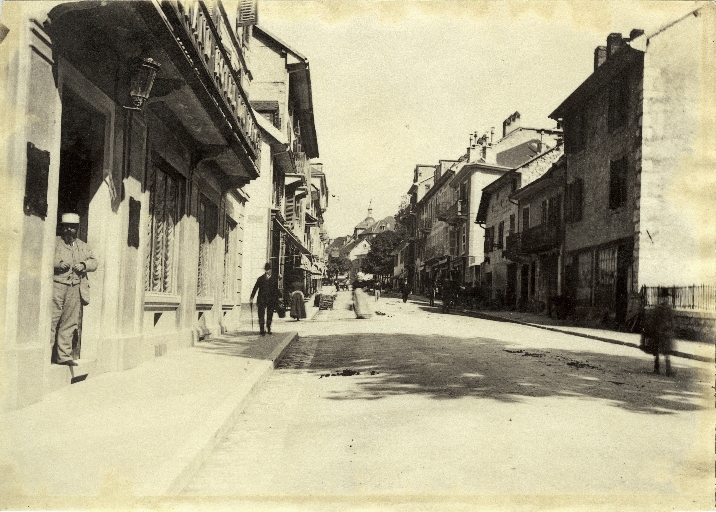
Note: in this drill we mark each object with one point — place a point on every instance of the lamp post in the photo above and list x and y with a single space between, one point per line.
142 80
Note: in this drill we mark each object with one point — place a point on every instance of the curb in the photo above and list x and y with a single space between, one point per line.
674 353
175 474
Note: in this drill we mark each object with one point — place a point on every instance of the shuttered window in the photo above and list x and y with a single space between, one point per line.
208 227
489 239
618 102
617 183
230 259
247 14
165 200
575 132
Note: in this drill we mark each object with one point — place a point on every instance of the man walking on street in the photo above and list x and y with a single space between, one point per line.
267 288
70 290
405 290
377 288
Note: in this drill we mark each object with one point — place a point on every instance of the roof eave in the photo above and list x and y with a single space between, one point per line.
622 58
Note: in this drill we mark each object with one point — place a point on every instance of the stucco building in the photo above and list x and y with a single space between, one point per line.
635 139
136 116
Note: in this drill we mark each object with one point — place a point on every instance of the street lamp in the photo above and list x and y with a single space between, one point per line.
143 75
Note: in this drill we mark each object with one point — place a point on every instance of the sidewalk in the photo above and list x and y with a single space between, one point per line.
696 350
140 432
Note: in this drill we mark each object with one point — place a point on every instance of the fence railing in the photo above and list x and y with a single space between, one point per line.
695 297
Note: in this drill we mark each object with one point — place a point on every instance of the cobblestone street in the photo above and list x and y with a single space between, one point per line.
417 403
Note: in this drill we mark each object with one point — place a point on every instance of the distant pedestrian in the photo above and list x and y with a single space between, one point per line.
267 299
360 302
378 288
70 291
432 292
298 306
659 329
338 286
405 290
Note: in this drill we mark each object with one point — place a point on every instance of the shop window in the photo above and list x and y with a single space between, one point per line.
208 227
605 277
165 200
584 277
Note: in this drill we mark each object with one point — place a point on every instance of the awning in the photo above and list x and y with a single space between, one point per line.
306 263
291 237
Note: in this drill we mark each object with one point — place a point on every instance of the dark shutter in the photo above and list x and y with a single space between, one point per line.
38 170
135 208
248 13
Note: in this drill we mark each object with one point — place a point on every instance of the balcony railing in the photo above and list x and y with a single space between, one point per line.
512 244
301 163
425 225
441 212
223 60
540 238
457 212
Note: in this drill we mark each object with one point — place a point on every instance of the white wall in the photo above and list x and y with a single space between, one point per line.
257 222
678 206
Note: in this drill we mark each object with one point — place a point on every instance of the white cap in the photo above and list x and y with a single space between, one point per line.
70 218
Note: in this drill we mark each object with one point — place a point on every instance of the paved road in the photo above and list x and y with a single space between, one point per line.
417 405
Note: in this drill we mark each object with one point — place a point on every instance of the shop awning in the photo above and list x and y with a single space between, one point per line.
291 237
306 263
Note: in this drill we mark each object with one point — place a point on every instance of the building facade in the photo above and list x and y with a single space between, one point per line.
136 116
500 215
632 132
537 246
282 95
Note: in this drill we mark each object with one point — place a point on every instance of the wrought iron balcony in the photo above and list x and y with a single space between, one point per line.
222 57
425 225
457 212
540 238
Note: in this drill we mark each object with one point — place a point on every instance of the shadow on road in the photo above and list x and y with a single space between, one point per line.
443 367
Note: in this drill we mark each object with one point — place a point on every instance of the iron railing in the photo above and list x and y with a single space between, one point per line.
540 238
695 297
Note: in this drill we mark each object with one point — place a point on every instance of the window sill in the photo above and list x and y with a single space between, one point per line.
205 302
155 301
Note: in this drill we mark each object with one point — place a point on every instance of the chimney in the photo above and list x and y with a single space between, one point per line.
614 42
490 154
510 124
636 32
492 135
600 55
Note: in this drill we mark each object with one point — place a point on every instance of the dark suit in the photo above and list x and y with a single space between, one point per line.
266 300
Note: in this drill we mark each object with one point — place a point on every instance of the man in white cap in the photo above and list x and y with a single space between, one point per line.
73 259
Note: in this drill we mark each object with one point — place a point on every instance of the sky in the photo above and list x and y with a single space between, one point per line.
401 83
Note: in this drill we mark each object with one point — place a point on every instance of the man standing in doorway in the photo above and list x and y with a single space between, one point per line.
267 288
70 292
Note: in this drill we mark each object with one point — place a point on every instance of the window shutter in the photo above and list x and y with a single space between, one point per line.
248 13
